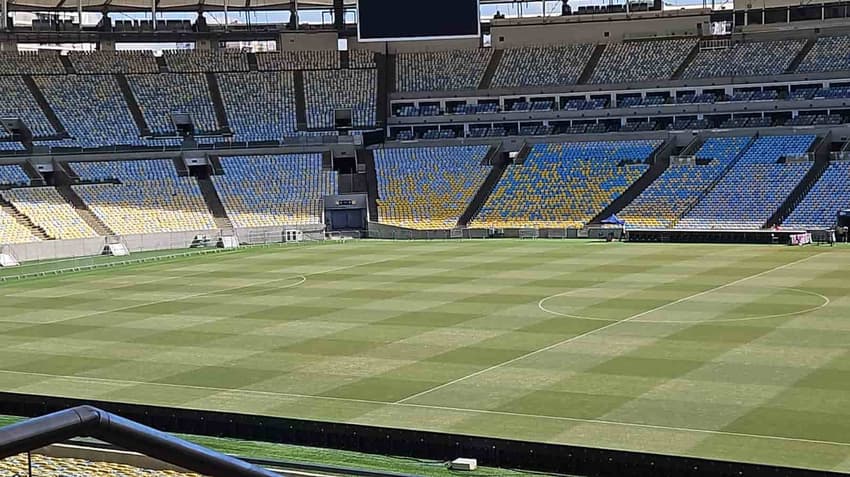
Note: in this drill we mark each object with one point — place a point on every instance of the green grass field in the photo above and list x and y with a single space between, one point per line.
731 352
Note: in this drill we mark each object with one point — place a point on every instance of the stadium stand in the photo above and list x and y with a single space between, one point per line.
830 53
91 108
680 186
260 105
362 59
745 59
31 63
298 60
109 62
194 61
264 191
11 231
17 102
326 91
48 210
542 65
442 70
829 195
754 187
641 60
58 467
565 185
162 94
150 197
411 182
13 175
12 146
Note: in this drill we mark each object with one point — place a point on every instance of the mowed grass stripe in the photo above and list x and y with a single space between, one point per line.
431 312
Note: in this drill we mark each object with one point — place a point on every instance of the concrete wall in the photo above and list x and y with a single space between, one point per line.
295 41
595 28
69 249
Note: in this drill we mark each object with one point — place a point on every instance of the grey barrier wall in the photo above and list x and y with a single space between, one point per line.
391 232
62 249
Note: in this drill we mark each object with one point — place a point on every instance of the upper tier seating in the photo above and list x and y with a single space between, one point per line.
195 61
47 209
16 101
761 58
754 188
361 59
12 146
564 185
298 60
260 106
326 91
266 191
11 231
109 62
56 467
641 60
91 108
680 186
830 194
830 53
542 66
151 197
441 70
430 187
13 175
31 63
162 94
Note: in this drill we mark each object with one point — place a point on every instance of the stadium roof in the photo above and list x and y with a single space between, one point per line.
176 5
164 5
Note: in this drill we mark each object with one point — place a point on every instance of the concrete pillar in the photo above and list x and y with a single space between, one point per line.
8 45
106 45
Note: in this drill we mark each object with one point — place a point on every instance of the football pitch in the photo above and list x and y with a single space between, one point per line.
730 352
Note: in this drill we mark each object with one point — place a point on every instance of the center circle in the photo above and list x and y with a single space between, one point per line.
801 302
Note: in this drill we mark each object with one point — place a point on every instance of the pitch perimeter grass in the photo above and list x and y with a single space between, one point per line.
731 352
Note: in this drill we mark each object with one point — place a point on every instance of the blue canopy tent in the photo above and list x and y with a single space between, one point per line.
613 220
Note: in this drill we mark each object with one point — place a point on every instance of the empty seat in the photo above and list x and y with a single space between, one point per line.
564 185
265 191
428 188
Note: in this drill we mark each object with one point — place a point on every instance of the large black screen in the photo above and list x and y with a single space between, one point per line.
381 20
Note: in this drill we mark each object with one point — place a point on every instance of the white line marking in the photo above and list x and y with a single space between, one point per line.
272 394
303 278
601 328
824 304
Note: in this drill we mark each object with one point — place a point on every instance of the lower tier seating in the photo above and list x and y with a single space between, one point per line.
57 467
11 231
564 185
829 195
428 188
754 188
680 186
50 211
150 197
266 191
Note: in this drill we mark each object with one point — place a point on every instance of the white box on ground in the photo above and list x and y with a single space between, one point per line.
464 464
